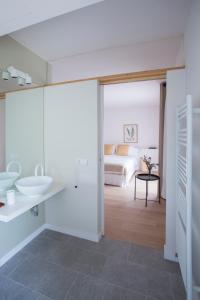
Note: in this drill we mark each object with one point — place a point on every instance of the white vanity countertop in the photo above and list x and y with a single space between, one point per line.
24 203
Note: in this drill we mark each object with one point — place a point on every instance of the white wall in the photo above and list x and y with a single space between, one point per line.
13 53
71 133
192 54
147 119
175 96
138 57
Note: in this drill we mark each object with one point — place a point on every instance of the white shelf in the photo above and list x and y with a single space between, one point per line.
24 203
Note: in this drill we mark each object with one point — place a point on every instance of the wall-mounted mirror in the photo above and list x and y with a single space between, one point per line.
24 140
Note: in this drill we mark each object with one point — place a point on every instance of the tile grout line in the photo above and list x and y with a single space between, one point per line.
23 286
127 257
73 283
107 256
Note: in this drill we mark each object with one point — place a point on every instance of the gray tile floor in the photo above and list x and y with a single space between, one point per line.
55 266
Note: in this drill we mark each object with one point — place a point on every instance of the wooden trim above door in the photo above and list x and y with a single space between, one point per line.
114 79
137 76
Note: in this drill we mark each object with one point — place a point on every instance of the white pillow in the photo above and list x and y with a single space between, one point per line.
133 151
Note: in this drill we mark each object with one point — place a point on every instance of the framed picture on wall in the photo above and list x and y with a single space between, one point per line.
130 133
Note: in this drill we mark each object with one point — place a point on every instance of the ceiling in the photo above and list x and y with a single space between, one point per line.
132 94
19 14
107 24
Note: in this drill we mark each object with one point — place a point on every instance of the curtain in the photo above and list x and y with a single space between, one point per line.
162 138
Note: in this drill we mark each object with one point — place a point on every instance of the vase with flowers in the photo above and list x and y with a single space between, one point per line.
149 164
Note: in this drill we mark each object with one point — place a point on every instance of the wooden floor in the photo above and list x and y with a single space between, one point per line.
127 219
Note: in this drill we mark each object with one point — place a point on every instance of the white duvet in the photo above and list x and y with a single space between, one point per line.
130 163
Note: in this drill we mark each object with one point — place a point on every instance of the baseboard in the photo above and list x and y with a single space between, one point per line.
169 255
21 245
79 234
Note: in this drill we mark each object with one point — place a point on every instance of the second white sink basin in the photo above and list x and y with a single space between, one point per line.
34 186
7 180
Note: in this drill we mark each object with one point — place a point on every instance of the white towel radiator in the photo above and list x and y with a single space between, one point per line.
184 192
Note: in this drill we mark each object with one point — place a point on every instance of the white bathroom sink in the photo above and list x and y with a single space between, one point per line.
34 186
7 179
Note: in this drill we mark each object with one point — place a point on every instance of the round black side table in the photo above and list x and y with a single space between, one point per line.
147 178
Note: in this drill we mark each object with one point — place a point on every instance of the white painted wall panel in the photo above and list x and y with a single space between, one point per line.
71 133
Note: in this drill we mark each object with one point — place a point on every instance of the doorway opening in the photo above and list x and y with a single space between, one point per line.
132 131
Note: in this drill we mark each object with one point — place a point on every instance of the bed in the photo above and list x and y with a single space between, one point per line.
118 169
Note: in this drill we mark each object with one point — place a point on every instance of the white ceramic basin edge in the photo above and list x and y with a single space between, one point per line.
34 186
